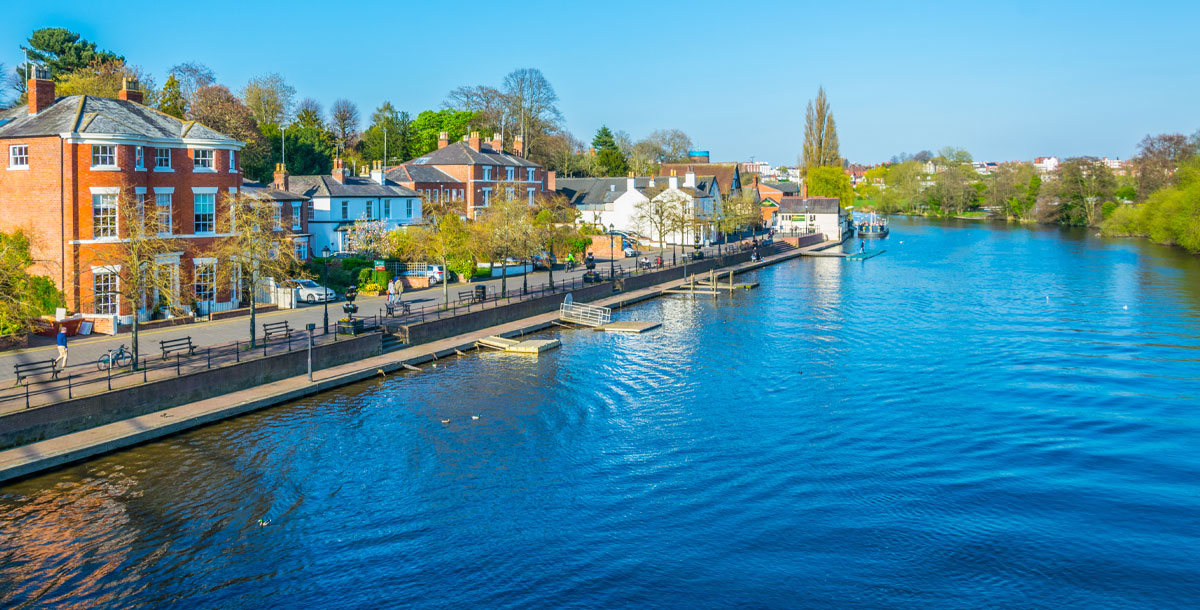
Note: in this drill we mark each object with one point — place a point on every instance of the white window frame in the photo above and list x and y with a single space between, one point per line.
103 301
370 205
312 210
408 208
102 153
18 156
277 215
297 207
233 162
210 199
530 174
104 206
387 208
139 158
301 249
487 196
487 173
162 154
510 173
202 160
210 264
531 192
164 228
345 210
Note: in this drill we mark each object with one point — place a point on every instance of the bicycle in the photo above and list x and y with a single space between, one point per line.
119 357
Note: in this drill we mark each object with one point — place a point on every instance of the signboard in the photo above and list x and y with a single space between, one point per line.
379 266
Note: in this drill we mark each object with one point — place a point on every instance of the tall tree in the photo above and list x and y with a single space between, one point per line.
192 76
270 98
608 154
104 79
172 101
390 133
308 113
532 105
64 51
343 121
429 125
820 135
1083 184
215 106
489 105
1158 158
828 181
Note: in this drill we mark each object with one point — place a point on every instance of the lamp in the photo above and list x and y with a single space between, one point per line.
325 284
612 254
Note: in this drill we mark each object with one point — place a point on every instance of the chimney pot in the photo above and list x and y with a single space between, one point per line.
519 146
281 177
40 89
497 142
443 140
474 140
130 91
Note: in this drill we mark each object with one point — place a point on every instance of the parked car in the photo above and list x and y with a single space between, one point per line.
435 273
311 292
631 252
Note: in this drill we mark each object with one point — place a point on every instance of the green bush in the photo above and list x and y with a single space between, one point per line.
45 295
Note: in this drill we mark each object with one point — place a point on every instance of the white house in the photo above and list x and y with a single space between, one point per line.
801 215
1046 164
338 200
619 202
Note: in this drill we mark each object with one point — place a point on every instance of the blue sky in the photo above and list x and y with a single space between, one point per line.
1005 80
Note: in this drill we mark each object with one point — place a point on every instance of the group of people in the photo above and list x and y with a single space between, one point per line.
395 288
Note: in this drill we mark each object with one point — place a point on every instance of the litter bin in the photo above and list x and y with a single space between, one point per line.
481 293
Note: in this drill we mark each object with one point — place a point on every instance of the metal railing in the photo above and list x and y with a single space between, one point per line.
83 379
587 315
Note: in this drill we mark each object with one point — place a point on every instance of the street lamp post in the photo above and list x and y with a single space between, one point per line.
612 254
325 284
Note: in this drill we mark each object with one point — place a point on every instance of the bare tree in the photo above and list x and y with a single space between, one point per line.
192 77
141 260
270 98
257 247
309 112
344 123
533 104
489 104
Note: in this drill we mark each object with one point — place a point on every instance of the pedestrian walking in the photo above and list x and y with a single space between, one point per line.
399 285
61 340
391 292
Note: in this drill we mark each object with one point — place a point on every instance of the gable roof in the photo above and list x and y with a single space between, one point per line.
419 173
809 205
265 191
787 188
599 191
355 186
87 114
458 153
724 173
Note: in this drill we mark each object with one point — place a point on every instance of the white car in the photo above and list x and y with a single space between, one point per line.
631 252
435 273
311 292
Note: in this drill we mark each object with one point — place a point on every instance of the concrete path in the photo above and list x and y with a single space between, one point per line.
44 455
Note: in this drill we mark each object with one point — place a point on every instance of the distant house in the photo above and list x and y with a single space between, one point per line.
472 172
824 215
727 175
339 199
776 191
618 202
1046 164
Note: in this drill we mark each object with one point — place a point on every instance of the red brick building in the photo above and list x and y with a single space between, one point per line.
472 172
67 160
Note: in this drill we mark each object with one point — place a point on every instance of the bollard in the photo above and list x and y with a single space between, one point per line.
178 359
210 357
264 346
110 372
69 387
26 395
237 350
289 337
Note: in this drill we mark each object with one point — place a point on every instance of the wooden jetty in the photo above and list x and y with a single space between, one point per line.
711 285
524 346
628 327
862 256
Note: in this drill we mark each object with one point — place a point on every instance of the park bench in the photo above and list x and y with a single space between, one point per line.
404 308
276 328
25 369
468 296
176 345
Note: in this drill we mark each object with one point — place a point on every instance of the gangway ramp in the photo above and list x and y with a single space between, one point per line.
584 315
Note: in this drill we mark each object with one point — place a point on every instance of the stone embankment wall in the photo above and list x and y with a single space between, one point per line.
31 425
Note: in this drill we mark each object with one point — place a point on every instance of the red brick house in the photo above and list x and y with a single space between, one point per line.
472 171
67 160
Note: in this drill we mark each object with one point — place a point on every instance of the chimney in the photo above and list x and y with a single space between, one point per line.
804 188
630 182
377 172
130 91
443 140
497 142
339 170
281 178
473 140
689 179
519 146
40 89
698 156
551 181
673 181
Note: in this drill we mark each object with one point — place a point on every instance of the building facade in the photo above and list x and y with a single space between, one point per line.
69 161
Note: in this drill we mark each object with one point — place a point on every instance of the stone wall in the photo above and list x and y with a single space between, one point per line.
31 425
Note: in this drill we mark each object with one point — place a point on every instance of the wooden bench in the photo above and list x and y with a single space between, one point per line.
276 328
26 369
404 308
469 296
176 345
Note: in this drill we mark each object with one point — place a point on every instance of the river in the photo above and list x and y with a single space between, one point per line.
982 417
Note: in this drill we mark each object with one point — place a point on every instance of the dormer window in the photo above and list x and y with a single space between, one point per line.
202 159
104 155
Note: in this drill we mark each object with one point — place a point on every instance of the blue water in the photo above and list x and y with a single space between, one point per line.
982 417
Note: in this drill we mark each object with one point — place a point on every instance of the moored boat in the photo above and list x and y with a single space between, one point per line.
873 226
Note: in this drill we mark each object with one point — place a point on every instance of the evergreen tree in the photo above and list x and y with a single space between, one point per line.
172 101
397 127
63 51
608 155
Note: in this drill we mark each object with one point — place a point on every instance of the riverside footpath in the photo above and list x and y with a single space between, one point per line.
272 383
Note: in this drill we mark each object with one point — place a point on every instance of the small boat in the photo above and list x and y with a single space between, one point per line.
873 226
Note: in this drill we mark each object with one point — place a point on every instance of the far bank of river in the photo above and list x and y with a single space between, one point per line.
983 417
